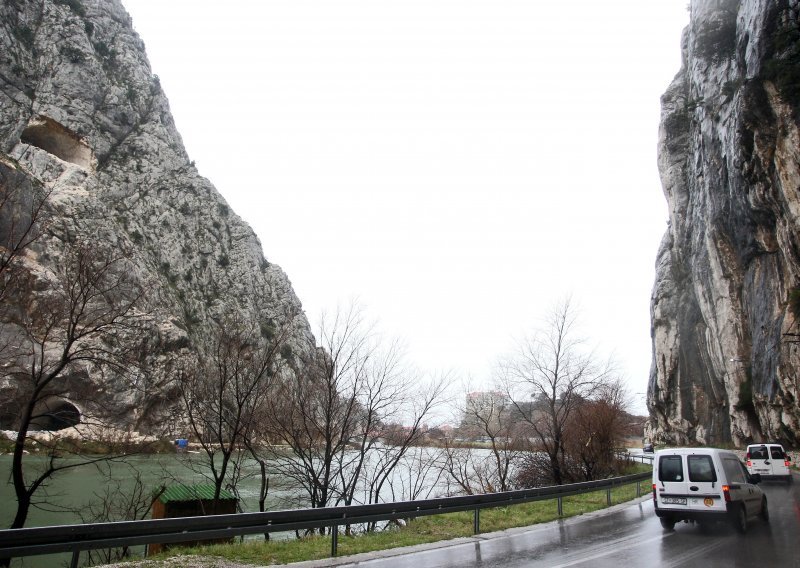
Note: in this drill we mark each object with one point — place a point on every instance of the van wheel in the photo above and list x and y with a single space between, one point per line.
764 514
668 524
740 520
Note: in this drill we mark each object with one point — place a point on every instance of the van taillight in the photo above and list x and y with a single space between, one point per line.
654 493
749 463
726 491
747 457
786 463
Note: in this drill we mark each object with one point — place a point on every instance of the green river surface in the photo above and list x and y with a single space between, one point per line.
71 490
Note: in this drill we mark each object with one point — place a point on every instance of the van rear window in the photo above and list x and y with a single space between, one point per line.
670 468
777 452
701 468
733 470
759 453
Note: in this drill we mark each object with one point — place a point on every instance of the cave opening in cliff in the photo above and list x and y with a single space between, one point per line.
55 139
55 414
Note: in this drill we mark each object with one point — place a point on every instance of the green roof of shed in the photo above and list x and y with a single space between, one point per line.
204 492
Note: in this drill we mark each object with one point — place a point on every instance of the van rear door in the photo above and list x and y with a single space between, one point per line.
759 460
704 488
778 461
671 486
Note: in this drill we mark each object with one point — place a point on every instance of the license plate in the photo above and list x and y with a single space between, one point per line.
673 500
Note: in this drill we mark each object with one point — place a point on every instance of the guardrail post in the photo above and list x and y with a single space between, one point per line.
608 496
639 488
334 539
476 522
560 506
76 554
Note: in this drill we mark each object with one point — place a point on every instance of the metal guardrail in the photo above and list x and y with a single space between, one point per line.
641 458
77 538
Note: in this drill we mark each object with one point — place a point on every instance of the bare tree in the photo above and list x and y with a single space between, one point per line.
465 471
333 417
488 417
596 430
409 398
23 215
418 475
71 332
548 379
225 391
257 438
319 414
123 497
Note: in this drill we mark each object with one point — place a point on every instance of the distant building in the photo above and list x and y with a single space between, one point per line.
485 407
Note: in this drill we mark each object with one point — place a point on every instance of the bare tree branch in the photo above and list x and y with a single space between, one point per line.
74 327
548 379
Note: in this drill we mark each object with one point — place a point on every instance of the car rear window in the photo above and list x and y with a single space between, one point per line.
701 468
733 469
670 468
758 453
777 452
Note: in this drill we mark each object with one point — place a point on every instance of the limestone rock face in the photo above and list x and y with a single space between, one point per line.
725 309
82 115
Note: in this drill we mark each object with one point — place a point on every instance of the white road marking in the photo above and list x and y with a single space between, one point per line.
612 547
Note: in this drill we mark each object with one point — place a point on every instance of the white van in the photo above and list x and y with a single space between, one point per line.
705 485
770 461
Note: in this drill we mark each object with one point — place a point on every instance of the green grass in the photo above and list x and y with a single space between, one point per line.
418 531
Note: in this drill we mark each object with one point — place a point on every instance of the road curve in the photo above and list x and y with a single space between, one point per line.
626 536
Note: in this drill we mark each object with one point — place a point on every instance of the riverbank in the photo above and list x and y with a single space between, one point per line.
87 439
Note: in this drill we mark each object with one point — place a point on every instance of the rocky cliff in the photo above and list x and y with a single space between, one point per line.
83 117
726 301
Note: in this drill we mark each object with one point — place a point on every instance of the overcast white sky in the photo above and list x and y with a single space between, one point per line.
459 166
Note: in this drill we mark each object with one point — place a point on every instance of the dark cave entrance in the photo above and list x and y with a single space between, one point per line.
55 414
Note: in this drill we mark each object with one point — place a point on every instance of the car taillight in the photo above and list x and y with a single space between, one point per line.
726 491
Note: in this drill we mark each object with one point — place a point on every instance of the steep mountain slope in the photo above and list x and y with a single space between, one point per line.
82 115
725 308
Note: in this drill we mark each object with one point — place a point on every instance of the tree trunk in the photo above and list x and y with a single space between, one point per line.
263 490
21 491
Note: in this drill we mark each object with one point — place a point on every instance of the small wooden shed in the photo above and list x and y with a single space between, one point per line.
190 501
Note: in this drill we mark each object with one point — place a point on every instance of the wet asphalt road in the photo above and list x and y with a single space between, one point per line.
628 537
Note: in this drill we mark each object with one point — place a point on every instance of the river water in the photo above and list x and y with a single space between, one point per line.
72 489
66 498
